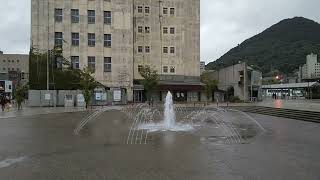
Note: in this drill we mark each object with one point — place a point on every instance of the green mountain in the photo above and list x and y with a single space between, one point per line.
284 47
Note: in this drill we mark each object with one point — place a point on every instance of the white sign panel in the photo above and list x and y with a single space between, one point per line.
47 96
117 95
8 86
98 96
80 98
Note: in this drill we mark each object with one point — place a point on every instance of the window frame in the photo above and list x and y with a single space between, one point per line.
75 41
107 40
91 17
91 41
75 18
107 64
91 62
107 19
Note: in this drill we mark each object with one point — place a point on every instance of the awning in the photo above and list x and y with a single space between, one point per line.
291 85
180 86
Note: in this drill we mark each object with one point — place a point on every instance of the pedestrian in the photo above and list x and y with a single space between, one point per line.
3 103
7 103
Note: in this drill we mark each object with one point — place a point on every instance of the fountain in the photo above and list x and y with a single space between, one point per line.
211 124
169 114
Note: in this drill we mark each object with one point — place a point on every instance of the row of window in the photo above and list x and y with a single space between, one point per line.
75 16
147 49
165 30
75 39
165 69
11 69
107 15
10 61
165 10
107 63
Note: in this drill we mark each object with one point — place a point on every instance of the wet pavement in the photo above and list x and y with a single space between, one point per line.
44 147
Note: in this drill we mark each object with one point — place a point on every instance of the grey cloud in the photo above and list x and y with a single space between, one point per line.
224 23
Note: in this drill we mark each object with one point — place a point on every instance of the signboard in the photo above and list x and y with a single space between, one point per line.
80 98
117 95
47 96
98 96
8 87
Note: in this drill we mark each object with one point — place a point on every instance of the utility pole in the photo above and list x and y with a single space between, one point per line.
48 69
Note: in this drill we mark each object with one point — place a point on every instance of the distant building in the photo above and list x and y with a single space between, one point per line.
239 80
14 67
311 70
202 66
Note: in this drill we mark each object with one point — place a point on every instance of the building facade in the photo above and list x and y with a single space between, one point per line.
14 67
202 66
241 79
117 38
311 70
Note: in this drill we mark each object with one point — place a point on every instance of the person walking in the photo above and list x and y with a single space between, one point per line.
3 103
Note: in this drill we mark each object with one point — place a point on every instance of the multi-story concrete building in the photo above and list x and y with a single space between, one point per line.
14 67
116 38
241 79
311 70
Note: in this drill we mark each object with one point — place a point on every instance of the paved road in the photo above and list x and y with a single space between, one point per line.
43 147
307 105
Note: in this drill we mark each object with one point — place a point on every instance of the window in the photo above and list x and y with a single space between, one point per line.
107 40
147 49
172 11
140 68
75 16
107 17
165 30
91 39
165 69
4 69
75 62
18 61
75 39
172 50
140 29
140 49
140 9
59 61
147 9
172 69
91 17
58 39
92 63
58 16
165 50
172 30
4 60
107 64
165 10
147 29
18 69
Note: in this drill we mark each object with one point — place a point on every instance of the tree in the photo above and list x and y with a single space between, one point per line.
20 95
149 81
88 84
61 74
209 84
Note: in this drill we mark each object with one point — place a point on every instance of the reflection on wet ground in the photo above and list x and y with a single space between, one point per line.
46 147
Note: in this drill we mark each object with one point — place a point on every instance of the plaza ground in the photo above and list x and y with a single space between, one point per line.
43 146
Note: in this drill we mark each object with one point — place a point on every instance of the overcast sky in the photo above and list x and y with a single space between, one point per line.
224 23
